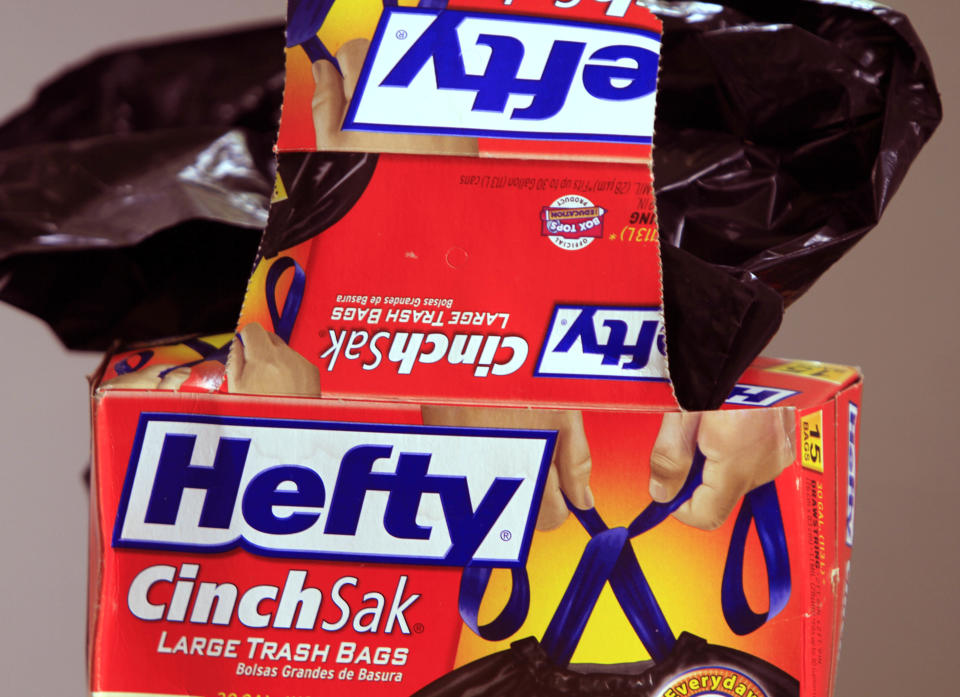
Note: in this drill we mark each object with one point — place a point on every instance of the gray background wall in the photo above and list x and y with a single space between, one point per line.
890 307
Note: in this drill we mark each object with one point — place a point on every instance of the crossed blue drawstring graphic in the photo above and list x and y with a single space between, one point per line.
609 558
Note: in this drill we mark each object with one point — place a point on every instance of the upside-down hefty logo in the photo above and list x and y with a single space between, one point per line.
622 343
475 74
372 492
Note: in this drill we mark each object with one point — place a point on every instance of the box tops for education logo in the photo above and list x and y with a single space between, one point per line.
572 222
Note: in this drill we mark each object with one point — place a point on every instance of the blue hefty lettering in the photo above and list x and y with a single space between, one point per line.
176 473
263 494
637 81
499 80
745 394
300 494
405 488
616 347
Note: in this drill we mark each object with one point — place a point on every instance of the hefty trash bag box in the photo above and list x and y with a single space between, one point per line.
442 453
305 546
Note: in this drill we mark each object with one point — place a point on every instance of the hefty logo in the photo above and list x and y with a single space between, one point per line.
851 467
622 343
365 492
473 74
756 396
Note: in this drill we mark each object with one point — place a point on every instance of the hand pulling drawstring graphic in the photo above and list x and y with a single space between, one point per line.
304 19
609 558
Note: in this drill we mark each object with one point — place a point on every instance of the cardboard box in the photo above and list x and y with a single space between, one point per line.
454 497
191 597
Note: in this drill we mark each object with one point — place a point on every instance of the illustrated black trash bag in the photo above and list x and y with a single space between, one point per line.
783 129
524 670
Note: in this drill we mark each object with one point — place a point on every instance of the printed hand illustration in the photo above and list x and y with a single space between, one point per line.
570 469
744 449
261 363
331 97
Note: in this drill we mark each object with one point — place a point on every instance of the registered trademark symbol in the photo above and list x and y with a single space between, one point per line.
418 628
563 323
402 34
505 535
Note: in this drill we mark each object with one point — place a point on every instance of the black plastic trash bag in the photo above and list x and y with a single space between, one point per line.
134 188
783 129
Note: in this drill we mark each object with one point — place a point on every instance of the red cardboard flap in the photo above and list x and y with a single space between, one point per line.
506 250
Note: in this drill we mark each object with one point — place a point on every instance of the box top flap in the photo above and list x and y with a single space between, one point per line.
464 208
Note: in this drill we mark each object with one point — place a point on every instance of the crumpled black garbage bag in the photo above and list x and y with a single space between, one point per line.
524 670
783 129
134 188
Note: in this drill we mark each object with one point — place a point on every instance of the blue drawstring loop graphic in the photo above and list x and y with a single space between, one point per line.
317 51
762 507
304 19
609 558
285 320
473 584
125 366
